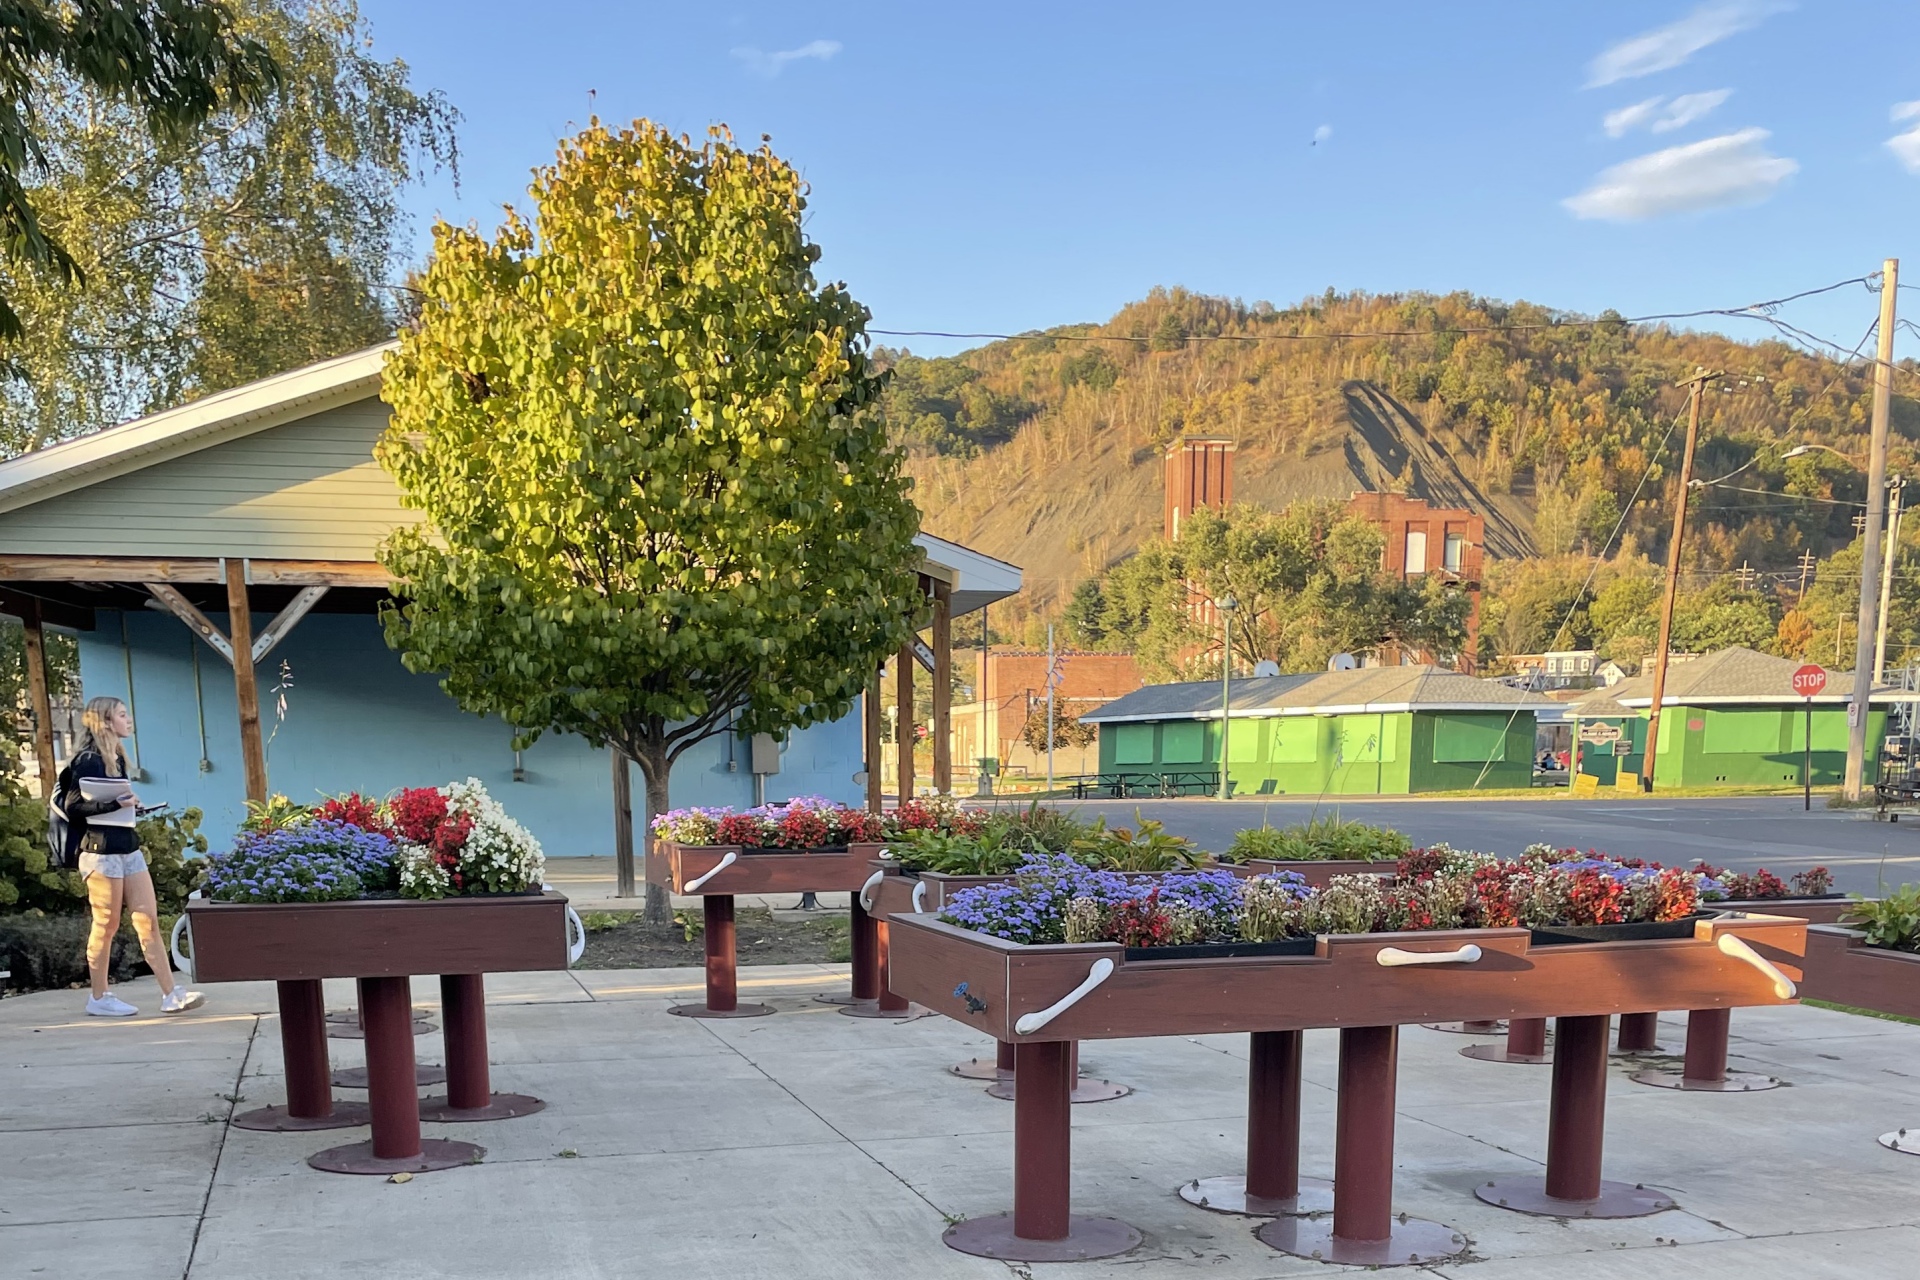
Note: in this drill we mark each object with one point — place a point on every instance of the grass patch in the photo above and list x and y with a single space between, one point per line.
1862 1013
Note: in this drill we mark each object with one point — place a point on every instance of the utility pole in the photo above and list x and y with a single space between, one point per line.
1858 708
1050 684
1695 385
1807 561
1895 487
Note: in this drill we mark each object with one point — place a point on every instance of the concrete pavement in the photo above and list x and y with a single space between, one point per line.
812 1145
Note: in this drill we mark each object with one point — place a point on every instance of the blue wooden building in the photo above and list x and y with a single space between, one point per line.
265 502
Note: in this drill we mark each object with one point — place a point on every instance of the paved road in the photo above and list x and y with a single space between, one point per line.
1742 833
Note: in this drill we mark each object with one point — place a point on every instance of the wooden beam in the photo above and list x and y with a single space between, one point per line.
942 688
240 619
296 609
19 604
140 570
624 882
871 728
197 622
36 653
903 719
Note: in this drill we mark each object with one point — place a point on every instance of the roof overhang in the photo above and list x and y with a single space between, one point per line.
977 579
257 406
1350 709
1762 700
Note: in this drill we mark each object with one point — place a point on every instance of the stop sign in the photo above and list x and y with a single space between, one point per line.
1809 680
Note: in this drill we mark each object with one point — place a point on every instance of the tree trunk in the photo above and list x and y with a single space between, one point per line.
654 769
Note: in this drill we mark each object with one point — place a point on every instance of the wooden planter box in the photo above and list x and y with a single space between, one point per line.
382 938
1342 984
1318 871
1826 909
1843 969
676 868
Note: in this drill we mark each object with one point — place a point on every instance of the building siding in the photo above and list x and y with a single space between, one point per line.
356 720
1731 746
306 490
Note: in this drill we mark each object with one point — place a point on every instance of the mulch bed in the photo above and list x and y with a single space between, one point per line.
624 940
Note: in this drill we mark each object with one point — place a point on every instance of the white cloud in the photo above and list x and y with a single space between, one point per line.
1321 134
772 64
1732 169
1667 47
1906 146
1617 123
1661 115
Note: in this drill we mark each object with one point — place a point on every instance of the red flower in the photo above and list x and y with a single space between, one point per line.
417 811
1493 896
450 837
356 810
1140 922
1676 894
1419 864
800 828
744 829
1594 898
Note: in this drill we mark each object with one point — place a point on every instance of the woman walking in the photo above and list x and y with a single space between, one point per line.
111 864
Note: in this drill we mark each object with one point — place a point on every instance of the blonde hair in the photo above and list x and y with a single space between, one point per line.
96 733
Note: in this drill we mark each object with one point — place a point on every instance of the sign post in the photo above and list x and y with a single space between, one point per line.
1808 681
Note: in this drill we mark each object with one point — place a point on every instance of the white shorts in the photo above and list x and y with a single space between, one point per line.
114 866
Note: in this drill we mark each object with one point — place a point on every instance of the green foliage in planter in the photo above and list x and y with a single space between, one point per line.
995 851
48 952
1892 921
1328 838
1147 847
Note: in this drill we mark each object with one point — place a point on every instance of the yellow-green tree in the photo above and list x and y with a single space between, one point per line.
661 504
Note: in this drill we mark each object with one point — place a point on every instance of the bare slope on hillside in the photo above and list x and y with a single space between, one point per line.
1068 521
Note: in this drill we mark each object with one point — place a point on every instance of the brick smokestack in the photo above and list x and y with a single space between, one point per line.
1199 474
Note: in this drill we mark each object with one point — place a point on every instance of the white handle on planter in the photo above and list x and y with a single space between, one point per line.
919 896
183 963
733 856
576 937
866 890
1394 957
1734 945
1032 1022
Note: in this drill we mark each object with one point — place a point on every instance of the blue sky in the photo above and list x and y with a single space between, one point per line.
999 167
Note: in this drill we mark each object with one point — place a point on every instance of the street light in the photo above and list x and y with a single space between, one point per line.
1226 607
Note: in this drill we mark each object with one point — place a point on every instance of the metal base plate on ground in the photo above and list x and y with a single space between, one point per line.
1085 1089
356 1077
1494 1028
1414 1241
848 998
1649 1051
1086 1238
980 1069
1616 1199
738 1011
1732 1082
1905 1141
872 1009
435 1153
346 1115
1498 1053
1229 1195
503 1106
339 1016
354 1031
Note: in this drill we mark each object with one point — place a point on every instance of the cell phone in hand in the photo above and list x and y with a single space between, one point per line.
142 810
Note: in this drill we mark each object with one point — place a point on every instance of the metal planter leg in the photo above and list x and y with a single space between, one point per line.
1526 1045
1576 1132
303 1044
723 985
1364 1230
470 1095
1272 1185
1007 1087
888 1005
865 984
1705 1069
397 1146
1042 1227
1639 1033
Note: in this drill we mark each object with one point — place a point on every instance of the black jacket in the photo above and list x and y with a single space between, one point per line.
101 839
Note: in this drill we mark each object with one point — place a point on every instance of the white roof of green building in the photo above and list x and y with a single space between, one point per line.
1363 691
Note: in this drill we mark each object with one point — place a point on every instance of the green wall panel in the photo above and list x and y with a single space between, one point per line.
1469 739
1183 742
1366 739
1295 740
1133 744
1243 742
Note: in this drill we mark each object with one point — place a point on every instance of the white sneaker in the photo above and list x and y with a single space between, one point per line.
179 1000
109 1006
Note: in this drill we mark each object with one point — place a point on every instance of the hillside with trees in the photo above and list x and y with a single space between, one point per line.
1045 450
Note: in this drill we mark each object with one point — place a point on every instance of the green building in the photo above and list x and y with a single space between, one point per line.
1372 731
1728 718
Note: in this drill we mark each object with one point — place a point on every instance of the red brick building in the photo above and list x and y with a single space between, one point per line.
1199 474
1424 540
1015 683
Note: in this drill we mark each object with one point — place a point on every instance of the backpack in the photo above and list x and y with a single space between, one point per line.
63 837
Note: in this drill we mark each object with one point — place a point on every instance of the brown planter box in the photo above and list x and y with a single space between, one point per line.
674 866
1812 910
1843 969
1341 985
384 938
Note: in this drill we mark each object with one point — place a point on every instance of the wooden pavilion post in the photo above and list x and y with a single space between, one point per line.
871 714
942 688
246 691
41 702
903 718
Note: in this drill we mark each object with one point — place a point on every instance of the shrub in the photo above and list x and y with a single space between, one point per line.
1893 921
49 952
175 849
28 879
